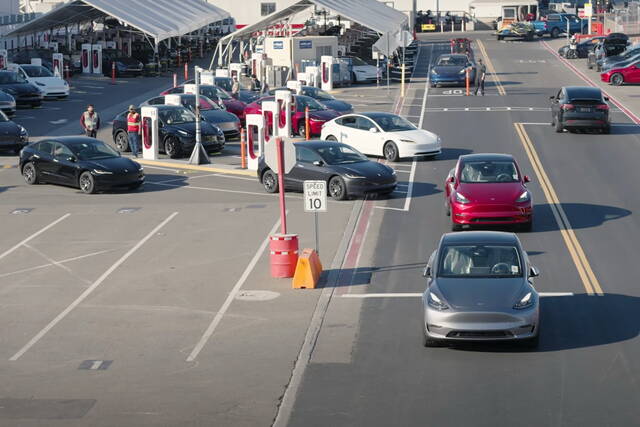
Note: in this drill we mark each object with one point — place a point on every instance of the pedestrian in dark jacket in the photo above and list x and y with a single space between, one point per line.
481 73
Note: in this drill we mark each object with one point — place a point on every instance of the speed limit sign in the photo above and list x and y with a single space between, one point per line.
315 196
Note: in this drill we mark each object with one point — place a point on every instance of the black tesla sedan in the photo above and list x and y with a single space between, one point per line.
346 171
7 103
580 107
24 93
81 162
13 137
177 132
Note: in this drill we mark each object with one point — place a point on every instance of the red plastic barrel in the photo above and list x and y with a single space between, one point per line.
284 254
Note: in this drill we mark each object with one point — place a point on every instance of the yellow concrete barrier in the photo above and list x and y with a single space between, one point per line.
308 270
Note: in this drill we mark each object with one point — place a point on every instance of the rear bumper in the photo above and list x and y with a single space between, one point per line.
585 123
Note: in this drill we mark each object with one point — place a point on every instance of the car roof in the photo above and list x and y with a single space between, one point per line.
462 55
485 157
376 114
71 140
314 144
585 92
497 237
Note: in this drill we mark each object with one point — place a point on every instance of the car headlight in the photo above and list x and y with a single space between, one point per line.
433 71
65 83
525 302
462 71
353 176
140 168
435 302
183 133
23 131
102 172
40 84
410 141
524 197
460 198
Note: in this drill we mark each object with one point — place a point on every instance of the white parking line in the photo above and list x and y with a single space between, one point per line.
33 236
232 295
39 267
90 289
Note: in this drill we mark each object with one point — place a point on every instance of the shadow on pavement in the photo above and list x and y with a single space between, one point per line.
452 153
160 182
580 215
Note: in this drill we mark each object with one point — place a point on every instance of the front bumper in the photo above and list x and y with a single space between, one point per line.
475 214
481 325
118 181
56 92
453 79
9 108
29 99
361 186
412 150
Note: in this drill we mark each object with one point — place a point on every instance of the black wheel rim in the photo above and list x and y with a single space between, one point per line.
336 188
269 182
85 183
29 173
170 147
389 151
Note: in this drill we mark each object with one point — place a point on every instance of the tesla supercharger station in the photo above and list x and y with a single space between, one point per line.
150 136
207 78
36 61
255 124
313 76
96 58
284 101
326 72
221 72
172 99
53 46
58 64
270 113
302 78
295 86
256 63
235 69
85 58
3 59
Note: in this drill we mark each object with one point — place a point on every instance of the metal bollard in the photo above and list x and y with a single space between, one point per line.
175 79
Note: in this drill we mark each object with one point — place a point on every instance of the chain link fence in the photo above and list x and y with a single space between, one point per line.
624 20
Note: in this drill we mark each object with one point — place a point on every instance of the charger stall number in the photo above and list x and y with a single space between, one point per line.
315 196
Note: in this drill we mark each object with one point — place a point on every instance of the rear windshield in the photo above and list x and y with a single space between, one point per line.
586 101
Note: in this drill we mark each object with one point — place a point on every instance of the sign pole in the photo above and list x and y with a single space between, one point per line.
283 208
198 155
315 214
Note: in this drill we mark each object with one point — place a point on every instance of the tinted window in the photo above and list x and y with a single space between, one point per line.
93 151
44 147
364 123
36 71
488 171
349 122
156 101
306 155
61 151
452 60
334 154
480 261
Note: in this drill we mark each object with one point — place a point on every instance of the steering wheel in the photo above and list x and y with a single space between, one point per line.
503 177
500 268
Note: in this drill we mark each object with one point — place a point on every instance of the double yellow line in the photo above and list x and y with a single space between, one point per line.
492 70
589 279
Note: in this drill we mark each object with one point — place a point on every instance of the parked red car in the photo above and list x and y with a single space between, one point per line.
318 113
214 93
619 76
488 189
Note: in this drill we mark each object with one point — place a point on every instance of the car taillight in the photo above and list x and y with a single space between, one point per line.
567 107
602 107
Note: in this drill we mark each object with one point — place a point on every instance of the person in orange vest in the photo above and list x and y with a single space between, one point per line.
90 121
134 130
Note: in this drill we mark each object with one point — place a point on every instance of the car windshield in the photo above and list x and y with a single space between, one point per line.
176 116
489 171
205 103
93 151
225 83
305 101
392 123
451 60
318 94
9 77
480 261
36 71
340 155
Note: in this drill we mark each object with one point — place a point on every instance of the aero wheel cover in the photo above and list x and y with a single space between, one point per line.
269 182
336 188
29 173
389 151
85 183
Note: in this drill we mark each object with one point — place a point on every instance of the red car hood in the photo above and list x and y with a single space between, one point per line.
506 192
234 105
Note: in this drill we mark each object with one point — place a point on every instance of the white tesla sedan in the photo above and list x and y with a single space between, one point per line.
52 86
382 134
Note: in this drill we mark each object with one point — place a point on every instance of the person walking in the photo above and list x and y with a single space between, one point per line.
235 88
255 83
90 121
134 130
481 73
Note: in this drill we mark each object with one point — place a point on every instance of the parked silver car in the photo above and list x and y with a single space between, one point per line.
479 288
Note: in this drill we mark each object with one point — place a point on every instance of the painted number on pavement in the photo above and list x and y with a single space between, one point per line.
453 92
315 196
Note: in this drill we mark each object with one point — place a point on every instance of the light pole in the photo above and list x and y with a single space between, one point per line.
199 154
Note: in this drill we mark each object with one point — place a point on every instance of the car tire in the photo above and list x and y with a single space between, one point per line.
270 181
87 183
558 125
526 227
554 33
172 147
332 138
121 141
337 188
432 84
390 151
30 173
617 79
499 38
447 210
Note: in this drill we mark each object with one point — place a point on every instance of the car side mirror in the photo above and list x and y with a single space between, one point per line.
427 271
526 178
606 98
374 130
72 159
318 163
534 272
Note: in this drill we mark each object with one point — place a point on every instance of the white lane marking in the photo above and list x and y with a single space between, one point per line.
48 258
96 364
418 295
39 267
426 90
529 123
412 175
232 295
390 208
33 236
58 122
161 168
90 289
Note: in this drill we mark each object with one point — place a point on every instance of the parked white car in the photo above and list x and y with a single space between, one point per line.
362 72
382 134
51 86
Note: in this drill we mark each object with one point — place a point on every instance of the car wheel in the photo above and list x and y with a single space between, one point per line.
30 173
558 125
172 147
87 183
447 209
331 138
390 152
617 79
337 188
554 33
302 129
500 37
270 181
122 141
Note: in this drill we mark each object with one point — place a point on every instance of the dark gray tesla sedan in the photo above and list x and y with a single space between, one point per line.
479 288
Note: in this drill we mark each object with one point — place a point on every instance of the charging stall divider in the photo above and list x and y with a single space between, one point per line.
85 58
57 60
271 115
235 69
295 86
150 135
313 76
207 78
255 125
284 101
326 72
96 58
3 59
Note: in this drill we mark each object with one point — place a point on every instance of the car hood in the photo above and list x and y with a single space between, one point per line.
218 116
20 87
325 115
115 164
368 169
205 127
234 105
48 81
420 136
481 293
366 68
9 128
5 97
491 193
337 105
447 69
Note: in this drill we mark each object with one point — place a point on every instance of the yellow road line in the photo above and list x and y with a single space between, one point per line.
186 166
492 70
588 277
8 166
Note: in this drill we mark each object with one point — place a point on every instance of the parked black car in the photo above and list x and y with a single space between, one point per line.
7 103
24 93
177 132
580 107
614 44
125 66
582 49
346 171
13 137
322 97
81 162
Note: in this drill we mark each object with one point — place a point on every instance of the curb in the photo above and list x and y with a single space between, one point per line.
202 168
